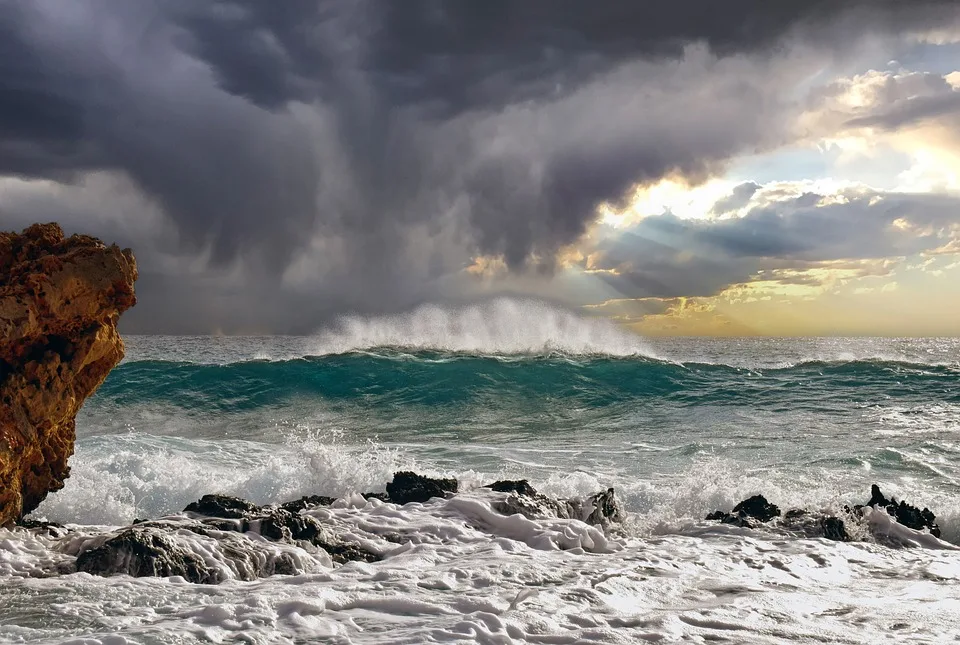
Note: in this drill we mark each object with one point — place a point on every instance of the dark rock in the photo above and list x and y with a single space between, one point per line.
758 508
606 508
601 509
519 486
308 501
222 506
905 514
834 529
383 497
37 527
409 487
141 551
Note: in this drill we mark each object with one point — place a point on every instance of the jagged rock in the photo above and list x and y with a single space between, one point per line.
60 300
905 514
409 487
834 529
758 508
144 551
222 506
752 508
280 523
519 486
601 509
158 549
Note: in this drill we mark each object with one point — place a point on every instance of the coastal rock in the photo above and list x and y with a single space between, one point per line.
191 551
283 523
60 300
752 508
221 538
409 487
602 509
905 514
757 508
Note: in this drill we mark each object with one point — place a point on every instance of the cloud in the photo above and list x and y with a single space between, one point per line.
356 154
787 236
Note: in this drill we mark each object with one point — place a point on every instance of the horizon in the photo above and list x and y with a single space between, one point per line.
751 169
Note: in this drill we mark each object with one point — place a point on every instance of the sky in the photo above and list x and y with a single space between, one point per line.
693 167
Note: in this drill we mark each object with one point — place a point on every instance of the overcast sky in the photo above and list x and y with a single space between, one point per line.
692 166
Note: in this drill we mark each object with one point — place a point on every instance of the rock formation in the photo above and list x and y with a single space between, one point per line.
60 299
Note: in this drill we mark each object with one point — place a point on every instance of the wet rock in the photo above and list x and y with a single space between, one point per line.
602 509
60 300
758 508
834 529
142 552
409 487
42 527
519 486
279 524
222 506
752 508
906 514
307 501
159 549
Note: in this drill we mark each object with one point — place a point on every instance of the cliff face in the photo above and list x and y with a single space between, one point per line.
60 300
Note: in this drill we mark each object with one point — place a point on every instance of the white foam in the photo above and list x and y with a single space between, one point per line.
500 326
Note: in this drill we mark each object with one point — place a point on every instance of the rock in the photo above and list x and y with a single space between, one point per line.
222 506
145 551
834 529
60 300
607 508
307 501
905 514
519 486
602 509
409 487
283 523
162 549
756 508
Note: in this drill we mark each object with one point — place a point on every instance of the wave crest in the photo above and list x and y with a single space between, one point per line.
500 326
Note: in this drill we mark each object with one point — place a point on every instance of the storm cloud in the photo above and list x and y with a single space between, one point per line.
326 156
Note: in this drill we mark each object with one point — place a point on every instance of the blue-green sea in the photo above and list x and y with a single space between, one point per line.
678 426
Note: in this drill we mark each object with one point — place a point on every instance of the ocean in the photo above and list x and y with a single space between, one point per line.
511 389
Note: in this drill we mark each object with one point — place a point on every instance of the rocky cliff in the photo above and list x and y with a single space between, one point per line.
60 299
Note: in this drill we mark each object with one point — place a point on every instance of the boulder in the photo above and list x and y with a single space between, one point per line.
409 487
60 300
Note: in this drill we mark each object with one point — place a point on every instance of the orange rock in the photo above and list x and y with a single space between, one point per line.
60 300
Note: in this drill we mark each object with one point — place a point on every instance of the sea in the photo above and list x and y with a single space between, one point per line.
511 389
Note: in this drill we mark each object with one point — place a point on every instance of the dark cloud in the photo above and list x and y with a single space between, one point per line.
359 151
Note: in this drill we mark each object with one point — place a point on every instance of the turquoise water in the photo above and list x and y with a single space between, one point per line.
811 420
680 427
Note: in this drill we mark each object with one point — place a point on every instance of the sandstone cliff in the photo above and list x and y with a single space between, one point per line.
60 299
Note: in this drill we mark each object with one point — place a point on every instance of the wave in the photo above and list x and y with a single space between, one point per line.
392 376
501 326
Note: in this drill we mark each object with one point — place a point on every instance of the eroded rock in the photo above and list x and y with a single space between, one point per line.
60 300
